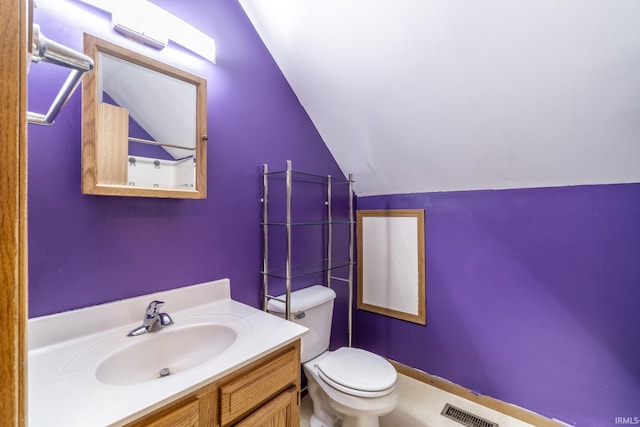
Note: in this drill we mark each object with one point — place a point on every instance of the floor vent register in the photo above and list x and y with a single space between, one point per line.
465 418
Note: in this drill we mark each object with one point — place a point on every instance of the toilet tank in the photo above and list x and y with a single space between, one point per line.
312 308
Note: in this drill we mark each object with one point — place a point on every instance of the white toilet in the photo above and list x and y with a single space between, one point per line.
349 387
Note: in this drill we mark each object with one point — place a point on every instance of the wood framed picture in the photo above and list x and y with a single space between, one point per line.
391 263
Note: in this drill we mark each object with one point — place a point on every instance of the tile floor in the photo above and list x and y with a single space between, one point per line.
420 405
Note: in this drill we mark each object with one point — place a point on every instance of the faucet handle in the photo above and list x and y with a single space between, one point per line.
153 309
153 319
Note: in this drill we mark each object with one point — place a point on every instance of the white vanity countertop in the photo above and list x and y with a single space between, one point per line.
66 348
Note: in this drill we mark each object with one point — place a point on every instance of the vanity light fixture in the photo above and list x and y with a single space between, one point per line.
147 23
126 23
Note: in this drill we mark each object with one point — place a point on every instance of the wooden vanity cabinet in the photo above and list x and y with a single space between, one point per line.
263 393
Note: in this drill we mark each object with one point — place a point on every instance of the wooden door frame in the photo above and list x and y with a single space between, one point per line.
14 27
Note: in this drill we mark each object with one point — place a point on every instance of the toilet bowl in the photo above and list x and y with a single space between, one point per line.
349 387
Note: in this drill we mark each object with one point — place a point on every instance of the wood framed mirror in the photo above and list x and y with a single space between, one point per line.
144 126
391 263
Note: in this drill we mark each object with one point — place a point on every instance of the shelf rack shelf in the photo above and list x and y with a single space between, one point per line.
327 266
298 224
304 270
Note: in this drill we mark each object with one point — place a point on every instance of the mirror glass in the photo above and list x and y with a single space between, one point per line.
144 126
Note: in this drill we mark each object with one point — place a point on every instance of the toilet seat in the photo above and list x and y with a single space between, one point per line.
357 372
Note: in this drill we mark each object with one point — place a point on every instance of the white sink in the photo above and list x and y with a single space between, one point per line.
174 348
85 370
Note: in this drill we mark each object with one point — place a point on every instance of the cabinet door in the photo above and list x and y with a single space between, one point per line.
248 391
197 409
281 411
185 416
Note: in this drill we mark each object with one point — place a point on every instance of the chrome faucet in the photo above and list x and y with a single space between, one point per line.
153 320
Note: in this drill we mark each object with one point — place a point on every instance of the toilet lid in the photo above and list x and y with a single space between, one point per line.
353 370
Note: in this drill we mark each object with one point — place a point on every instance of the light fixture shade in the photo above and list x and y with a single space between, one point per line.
193 39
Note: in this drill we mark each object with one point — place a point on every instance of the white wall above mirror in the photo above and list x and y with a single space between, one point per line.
391 263
144 126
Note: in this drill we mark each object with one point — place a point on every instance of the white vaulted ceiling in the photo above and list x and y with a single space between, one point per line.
440 95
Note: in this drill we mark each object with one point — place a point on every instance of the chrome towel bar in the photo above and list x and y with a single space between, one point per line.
49 51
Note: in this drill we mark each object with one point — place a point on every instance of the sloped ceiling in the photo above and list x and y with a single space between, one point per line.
440 95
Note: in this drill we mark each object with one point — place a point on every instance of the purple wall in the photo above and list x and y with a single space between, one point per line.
532 298
86 250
